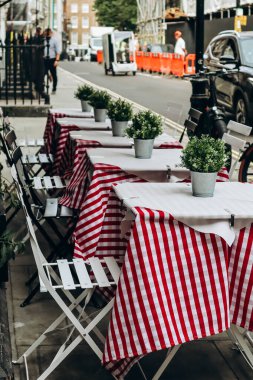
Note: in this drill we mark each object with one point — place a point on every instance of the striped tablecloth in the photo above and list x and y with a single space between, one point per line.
53 114
74 165
176 285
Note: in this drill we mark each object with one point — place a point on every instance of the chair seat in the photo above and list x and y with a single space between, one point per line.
83 274
47 183
30 142
40 158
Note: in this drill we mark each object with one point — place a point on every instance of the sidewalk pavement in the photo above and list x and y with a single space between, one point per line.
209 359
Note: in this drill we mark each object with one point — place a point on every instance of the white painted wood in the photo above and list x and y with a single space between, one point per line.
48 182
82 274
58 182
113 268
40 142
21 142
31 141
51 208
66 212
99 272
51 157
37 183
32 159
66 276
235 142
43 158
239 128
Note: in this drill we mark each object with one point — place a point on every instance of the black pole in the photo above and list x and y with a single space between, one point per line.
199 34
238 4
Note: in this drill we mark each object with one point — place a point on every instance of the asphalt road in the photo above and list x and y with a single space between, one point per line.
168 96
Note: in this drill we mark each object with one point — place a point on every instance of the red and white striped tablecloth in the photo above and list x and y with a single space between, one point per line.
176 285
74 165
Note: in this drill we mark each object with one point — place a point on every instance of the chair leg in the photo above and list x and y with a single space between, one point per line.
241 345
170 355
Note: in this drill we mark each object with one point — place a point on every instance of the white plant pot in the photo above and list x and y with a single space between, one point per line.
85 106
100 115
143 148
119 127
203 184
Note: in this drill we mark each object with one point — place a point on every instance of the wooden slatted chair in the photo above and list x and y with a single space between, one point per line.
238 144
56 278
191 123
41 211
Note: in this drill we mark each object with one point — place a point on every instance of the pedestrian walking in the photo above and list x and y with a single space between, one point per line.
180 44
51 56
38 61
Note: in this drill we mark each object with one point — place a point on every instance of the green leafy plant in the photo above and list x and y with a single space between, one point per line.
83 92
204 154
120 110
9 248
146 125
99 99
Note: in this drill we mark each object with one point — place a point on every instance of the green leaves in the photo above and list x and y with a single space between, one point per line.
204 154
83 92
120 14
120 110
99 99
9 248
146 125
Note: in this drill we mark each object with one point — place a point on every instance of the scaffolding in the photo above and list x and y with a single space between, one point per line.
150 22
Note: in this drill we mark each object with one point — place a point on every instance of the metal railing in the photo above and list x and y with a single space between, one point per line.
22 70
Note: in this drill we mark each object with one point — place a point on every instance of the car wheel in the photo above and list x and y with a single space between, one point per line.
241 110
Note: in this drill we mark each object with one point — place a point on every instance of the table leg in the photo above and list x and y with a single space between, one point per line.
239 340
170 355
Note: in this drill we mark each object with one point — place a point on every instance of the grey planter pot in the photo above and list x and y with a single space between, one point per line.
100 115
85 106
203 184
119 127
143 148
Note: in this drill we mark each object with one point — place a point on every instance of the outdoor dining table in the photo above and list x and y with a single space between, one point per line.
54 113
187 270
62 130
74 162
107 167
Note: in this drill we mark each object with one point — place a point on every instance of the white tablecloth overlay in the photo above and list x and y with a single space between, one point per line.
83 122
208 215
106 138
154 169
71 112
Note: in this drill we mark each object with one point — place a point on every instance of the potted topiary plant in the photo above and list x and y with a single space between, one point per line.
204 157
145 127
100 101
120 112
83 93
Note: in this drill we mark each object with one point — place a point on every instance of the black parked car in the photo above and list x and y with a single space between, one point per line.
233 50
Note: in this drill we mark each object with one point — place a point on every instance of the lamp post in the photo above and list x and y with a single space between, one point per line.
199 34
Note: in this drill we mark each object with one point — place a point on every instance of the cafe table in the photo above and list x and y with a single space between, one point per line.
107 167
79 141
62 130
54 113
187 272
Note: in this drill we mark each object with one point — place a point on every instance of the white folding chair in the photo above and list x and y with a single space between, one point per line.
66 276
237 144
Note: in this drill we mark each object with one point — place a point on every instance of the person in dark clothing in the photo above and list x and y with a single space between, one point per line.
51 56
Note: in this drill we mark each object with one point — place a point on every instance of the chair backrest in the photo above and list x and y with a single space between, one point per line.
10 139
193 118
237 144
242 129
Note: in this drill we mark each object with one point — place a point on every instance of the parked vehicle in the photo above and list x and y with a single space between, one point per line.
119 53
233 50
159 48
96 33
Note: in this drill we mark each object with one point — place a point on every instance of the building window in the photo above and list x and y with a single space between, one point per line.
74 8
74 22
85 8
85 22
74 38
85 39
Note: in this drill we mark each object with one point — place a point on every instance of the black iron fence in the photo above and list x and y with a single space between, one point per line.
23 77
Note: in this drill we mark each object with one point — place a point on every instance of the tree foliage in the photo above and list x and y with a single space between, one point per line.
120 14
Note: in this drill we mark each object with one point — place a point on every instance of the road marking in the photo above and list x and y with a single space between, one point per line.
168 122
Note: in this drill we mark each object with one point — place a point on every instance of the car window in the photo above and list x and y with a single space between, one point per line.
230 49
247 51
218 47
